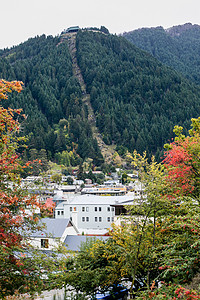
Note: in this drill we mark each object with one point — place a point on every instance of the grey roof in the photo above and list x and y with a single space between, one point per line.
77 199
53 228
58 197
73 242
127 202
67 187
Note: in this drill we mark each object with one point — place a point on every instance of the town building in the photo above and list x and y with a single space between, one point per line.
91 214
105 190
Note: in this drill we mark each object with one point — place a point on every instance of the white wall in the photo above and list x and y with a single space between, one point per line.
36 243
90 213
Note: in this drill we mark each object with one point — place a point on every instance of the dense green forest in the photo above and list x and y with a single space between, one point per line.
56 119
137 100
178 47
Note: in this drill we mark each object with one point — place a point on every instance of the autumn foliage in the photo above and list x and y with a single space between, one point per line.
182 161
13 201
172 292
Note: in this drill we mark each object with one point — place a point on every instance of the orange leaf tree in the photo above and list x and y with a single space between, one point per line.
17 270
182 160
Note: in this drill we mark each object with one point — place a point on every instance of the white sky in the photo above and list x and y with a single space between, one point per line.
22 19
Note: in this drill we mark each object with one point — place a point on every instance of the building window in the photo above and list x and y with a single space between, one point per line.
87 209
112 219
113 209
74 208
99 208
83 208
70 208
58 213
95 208
100 219
83 219
62 212
87 219
108 219
108 208
95 219
44 243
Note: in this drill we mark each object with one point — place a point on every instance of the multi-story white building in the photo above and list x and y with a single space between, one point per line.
91 212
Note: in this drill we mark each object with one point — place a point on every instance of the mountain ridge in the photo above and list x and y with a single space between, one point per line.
179 29
177 47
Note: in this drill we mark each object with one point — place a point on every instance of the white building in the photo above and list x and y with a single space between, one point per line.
91 213
105 190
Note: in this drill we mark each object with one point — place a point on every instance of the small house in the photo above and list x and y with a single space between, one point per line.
55 232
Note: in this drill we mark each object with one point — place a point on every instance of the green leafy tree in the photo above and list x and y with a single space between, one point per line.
96 267
139 237
56 178
178 251
70 180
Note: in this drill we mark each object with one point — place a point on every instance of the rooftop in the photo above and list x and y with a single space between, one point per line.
53 227
74 242
78 199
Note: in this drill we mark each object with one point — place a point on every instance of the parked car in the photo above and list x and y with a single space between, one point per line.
119 293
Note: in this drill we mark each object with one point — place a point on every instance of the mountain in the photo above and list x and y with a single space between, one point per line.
177 47
85 90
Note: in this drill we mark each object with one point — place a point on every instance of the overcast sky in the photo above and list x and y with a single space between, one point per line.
22 19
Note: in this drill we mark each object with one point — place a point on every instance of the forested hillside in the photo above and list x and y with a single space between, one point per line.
178 47
56 119
137 100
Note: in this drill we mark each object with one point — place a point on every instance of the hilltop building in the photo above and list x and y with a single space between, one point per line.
71 29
